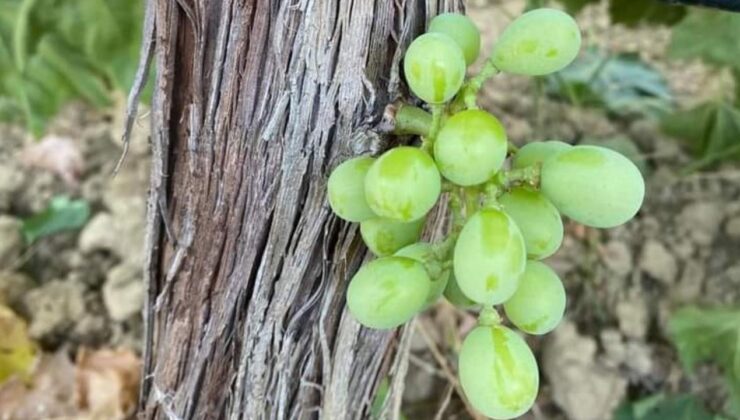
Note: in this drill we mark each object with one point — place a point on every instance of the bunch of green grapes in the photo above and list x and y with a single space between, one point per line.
506 205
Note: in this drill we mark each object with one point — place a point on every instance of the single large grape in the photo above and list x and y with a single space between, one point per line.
593 185
470 148
489 257
498 372
387 292
438 274
536 152
539 42
537 219
455 296
434 66
386 236
403 184
462 30
539 303
346 189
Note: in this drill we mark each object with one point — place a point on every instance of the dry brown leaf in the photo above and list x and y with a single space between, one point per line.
48 394
107 383
59 155
17 350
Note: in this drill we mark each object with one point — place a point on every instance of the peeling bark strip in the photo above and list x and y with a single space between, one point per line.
254 103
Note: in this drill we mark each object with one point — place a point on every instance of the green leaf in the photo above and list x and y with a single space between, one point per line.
622 84
380 396
662 407
710 335
711 130
634 12
575 6
709 35
62 214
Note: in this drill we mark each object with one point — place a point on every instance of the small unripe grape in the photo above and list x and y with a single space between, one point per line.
539 42
346 190
386 236
498 372
387 292
538 304
537 152
593 185
424 253
470 147
403 184
434 66
462 30
537 219
455 296
489 257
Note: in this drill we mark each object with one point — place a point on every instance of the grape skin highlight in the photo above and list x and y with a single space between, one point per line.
387 292
489 257
537 152
593 185
385 236
539 42
470 148
537 219
434 66
346 189
403 184
462 30
539 303
498 372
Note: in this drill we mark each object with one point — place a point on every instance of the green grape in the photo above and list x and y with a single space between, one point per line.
539 42
387 292
403 184
438 274
593 185
462 30
498 372
490 256
539 303
434 66
346 188
386 236
455 296
537 152
470 148
537 219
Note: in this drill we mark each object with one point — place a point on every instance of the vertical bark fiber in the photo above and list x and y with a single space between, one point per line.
255 102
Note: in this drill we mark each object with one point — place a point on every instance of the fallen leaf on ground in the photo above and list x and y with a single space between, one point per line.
17 350
107 384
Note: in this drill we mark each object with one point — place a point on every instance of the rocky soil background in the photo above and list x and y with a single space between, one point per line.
84 288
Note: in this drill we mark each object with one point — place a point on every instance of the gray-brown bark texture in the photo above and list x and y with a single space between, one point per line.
254 103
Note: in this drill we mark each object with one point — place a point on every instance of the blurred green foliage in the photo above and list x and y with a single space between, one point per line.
633 12
61 214
53 51
710 335
622 84
663 407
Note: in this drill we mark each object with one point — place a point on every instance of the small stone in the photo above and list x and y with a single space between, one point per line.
569 364
690 284
658 262
638 358
617 256
701 220
632 315
54 308
11 179
683 249
123 292
11 241
611 341
13 286
732 228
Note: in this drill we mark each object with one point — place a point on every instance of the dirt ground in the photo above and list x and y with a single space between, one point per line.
85 287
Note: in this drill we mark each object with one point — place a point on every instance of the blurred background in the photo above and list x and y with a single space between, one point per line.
652 328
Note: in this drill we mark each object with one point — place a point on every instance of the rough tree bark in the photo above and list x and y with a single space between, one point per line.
254 102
